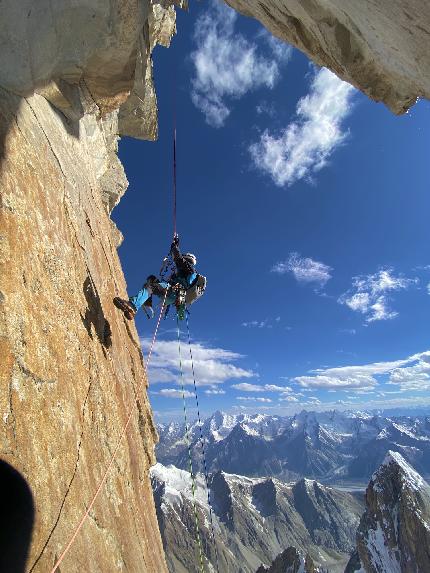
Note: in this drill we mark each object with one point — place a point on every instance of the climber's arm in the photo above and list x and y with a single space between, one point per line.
182 266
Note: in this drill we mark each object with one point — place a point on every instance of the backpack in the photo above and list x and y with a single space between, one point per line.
196 290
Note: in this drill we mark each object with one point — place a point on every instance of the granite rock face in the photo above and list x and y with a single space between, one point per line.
74 76
71 366
382 47
104 45
394 532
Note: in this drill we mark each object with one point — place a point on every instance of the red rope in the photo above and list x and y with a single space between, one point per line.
123 432
174 178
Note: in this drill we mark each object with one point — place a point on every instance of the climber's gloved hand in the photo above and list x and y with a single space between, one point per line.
175 241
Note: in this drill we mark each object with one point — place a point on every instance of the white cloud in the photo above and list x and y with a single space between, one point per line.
214 392
289 399
211 365
266 323
304 269
257 324
275 388
246 387
364 377
281 51
305 145
369 297
428 288
253 399
413 378
174 393
227 65
384 403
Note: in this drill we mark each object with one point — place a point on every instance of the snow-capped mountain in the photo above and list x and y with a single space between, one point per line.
254 520
323 445
291 561
394 532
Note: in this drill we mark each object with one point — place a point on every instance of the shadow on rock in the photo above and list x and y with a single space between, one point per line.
17 519
94 315
10 104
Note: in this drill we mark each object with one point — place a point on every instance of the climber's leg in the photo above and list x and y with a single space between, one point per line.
141 297
126 306
159 288
131 306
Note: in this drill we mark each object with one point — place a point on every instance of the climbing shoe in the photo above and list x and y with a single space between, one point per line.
126 306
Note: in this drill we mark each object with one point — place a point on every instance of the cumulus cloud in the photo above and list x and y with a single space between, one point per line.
304 269
415 377
406 372
428 288
246 387
253 399
215 392
288 399
211 365
305 145
227 65
174 393
369 294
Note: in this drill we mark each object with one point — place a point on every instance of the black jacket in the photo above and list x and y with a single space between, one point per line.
183 267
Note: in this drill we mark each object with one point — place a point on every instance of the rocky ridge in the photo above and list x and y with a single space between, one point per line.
254 520
394 532
290 561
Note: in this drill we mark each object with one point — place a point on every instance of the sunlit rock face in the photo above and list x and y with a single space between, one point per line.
382 47
73 76
103 45
394 532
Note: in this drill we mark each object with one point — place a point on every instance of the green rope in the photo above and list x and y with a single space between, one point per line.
202 444
190 461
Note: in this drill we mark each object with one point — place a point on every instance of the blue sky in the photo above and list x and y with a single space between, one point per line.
307 206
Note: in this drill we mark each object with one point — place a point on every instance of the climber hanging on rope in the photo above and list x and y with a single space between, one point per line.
182 288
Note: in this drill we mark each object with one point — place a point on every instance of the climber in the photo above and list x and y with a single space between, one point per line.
183 287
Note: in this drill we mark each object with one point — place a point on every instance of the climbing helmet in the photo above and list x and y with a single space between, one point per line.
190 258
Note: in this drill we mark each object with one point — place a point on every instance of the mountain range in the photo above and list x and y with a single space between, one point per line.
328 446
253 520
266 526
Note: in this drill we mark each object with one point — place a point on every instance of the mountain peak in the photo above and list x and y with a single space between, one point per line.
394 462
394 532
